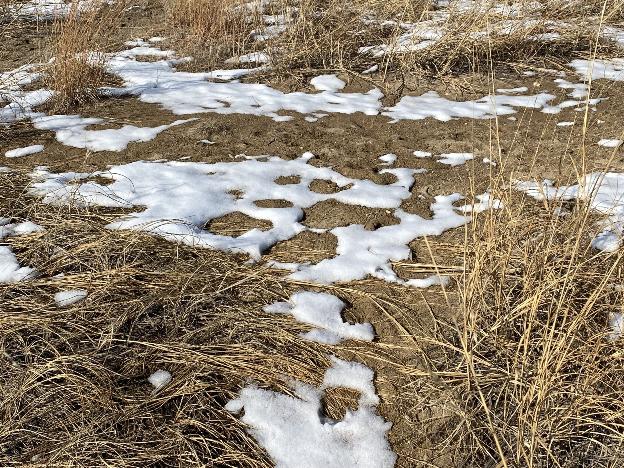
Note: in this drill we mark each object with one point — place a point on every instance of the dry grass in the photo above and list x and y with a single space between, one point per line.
212 30
528 375
327 34
473 40
78 41
73 380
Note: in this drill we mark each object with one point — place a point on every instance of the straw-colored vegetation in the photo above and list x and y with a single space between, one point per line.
529 373
74 380
77 68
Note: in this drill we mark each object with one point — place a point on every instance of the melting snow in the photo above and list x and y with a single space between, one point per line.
159 82
71 130
522 89
195 193
327 83
450 159
616 322
180 198
26 151
361 252
295 433
388 159
10 270
253 57
455 159
612 69
159 379
610 143
431 104
47 9
67 298
322 311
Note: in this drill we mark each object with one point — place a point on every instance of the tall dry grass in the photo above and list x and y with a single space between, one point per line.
530 373
327 34
78 42
212 30
543 381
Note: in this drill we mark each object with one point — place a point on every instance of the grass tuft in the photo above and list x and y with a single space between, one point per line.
79 40
530 371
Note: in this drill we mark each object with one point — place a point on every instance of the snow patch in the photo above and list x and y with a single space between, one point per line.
616 323
611 69
296 434
610 143
67 298
455 159
327 83
322 311
431 104
71 130
10 270
26 151
605 194
181 198
388 159
159 379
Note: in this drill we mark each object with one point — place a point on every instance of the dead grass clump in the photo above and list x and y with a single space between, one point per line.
612 9
207 19
73 383
212 30
493 33
531 371
327 34
79 40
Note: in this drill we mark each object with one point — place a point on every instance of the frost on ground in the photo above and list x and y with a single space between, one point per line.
605 194
10 269
181 198
322 311
296 434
